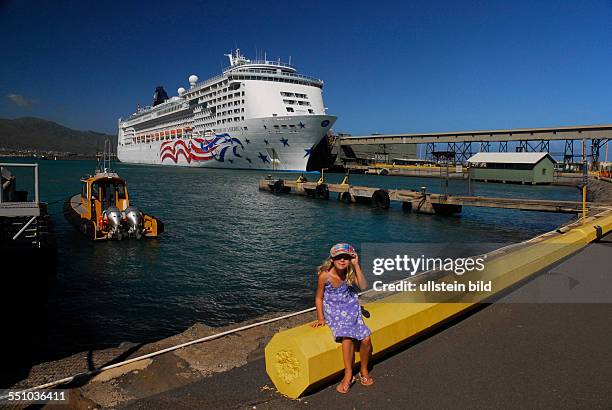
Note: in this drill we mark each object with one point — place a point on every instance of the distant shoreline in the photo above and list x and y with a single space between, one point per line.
45 155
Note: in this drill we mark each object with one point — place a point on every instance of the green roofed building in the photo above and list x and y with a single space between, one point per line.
512 167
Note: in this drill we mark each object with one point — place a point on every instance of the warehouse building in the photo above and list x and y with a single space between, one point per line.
512 167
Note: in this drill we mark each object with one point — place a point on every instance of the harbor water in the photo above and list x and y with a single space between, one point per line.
230 252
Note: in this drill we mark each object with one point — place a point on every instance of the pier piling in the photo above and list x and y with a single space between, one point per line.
417 201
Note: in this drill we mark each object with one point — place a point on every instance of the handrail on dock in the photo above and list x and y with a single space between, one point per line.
11 165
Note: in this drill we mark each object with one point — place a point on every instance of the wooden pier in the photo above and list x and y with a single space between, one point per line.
417 201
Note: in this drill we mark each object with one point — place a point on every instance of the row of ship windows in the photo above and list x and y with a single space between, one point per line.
205 89
297 95
294 102
229 104
145 140
206 94
230 120
216 85
142 139
220 121
226 97
167 110
209 125
290 109
228 112
241 93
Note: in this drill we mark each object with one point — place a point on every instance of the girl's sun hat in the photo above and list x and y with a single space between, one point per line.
341 249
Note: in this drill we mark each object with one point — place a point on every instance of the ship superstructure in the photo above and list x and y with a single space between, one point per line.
255 115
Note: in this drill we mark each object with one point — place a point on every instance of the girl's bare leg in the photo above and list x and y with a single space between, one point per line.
348 354
365 352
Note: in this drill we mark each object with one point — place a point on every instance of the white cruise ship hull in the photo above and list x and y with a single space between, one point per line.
272 143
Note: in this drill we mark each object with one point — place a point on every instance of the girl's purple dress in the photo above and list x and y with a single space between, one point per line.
342 312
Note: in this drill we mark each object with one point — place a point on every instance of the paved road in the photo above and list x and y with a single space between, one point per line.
503 355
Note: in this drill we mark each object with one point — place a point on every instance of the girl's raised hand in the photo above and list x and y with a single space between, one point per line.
355 260
318 323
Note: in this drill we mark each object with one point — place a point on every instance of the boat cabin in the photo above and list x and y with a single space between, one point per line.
102 191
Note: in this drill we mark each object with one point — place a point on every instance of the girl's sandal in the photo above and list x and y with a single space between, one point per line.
344 388
366 380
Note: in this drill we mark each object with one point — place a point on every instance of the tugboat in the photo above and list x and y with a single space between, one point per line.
102 210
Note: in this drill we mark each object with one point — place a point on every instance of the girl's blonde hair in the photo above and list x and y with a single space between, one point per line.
329 263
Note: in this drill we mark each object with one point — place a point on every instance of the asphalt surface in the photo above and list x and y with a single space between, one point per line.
500 355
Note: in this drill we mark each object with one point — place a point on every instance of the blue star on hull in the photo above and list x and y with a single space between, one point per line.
301 124
264 158
285 142
308 152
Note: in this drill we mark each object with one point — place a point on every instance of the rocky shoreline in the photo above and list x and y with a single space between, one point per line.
160 373
599 191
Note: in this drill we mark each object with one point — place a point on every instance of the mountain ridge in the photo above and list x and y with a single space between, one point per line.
38 135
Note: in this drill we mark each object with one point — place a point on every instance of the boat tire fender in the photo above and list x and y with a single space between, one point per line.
160 226
87 228
345 197
278 187
322 191
380 199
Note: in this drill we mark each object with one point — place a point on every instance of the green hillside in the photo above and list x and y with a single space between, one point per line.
37 135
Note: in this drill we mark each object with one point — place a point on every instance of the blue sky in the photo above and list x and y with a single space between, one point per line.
388 66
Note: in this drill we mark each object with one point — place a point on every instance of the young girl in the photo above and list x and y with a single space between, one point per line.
338 307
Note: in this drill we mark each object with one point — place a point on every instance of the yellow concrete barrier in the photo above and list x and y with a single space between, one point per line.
302 357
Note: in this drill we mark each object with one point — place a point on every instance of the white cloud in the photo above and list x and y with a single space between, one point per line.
21 101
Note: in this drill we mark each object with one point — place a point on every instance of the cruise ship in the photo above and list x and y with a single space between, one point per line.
257 114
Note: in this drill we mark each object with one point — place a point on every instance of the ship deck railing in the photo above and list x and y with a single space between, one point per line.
263 62
239 71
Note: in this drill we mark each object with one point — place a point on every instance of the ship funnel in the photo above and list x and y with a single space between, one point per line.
160 96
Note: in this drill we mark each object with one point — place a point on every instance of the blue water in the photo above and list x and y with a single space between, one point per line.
231 252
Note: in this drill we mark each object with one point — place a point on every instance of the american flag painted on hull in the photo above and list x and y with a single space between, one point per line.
201 149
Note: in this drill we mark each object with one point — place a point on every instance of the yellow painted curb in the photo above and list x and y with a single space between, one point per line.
301 357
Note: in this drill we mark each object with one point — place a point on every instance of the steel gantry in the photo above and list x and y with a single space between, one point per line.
568 152
527 139
596 145
533 146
